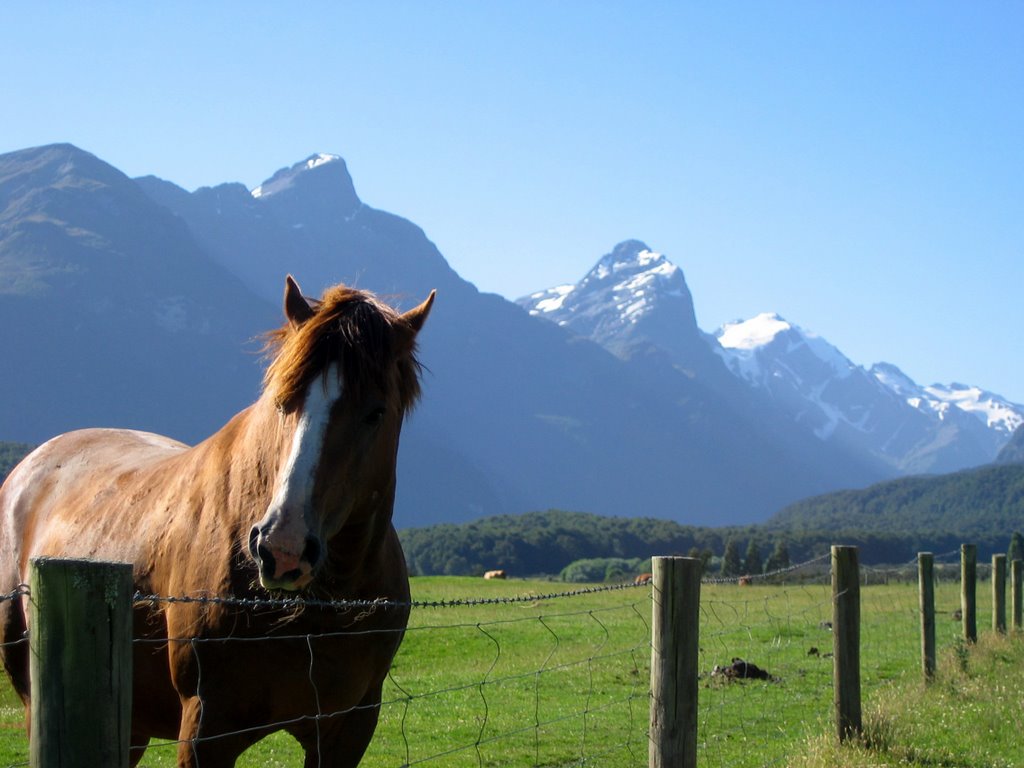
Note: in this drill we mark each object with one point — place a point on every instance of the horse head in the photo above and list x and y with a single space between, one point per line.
342 377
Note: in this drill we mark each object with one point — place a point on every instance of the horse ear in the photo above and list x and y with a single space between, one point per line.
417 316
296 308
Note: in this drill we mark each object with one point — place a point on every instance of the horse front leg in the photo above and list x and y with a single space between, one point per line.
342 741
200 743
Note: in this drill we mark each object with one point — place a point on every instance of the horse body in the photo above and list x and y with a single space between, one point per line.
295 492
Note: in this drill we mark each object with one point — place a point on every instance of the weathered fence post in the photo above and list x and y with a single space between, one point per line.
926 588
968 591
81 663
1016 573
675 623
999 593
846 641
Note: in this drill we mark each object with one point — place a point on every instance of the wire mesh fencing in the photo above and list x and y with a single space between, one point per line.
547 678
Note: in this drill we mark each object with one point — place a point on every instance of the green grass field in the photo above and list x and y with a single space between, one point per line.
564 681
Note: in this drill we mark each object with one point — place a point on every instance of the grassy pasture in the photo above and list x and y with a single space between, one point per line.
564 682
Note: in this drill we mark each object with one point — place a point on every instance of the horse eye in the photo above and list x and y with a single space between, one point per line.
374 417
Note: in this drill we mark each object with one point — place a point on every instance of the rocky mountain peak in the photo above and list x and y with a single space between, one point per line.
628 290
319 187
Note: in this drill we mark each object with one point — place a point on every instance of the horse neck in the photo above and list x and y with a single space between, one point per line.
246 455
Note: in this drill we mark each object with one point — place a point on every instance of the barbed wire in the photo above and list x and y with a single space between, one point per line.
482 684
292 603
774 633
770 574
19 591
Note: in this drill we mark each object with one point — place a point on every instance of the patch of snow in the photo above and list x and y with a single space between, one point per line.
555 298
758 332
991 410
632 310
752 334
321 159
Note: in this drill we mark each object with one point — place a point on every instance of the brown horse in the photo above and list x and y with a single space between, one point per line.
294 493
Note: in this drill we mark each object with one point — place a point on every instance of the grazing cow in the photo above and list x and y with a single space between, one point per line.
643 578
495 575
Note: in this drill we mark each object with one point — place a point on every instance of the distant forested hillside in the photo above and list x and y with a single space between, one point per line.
973 503
10 455
545 542
890 522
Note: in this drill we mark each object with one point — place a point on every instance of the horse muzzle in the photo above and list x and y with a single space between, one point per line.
281 566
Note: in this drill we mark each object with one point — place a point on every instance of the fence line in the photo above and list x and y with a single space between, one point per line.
347 605
483 685
638 649
601 652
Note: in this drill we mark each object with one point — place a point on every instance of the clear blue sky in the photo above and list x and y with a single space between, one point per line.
857 167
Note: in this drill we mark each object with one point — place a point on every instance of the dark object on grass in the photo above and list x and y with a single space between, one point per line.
741 670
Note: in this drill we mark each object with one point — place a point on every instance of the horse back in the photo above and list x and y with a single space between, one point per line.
76 495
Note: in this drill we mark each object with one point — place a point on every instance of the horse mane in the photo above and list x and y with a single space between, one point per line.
370 340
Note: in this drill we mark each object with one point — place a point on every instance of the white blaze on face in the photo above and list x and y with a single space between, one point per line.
295 480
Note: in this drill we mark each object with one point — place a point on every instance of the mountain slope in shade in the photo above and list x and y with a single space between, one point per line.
1013 451
518 414
113 315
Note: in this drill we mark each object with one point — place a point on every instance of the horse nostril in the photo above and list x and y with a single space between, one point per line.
265 560
311 554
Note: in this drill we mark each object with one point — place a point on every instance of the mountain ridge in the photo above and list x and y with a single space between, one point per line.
151 296
879 415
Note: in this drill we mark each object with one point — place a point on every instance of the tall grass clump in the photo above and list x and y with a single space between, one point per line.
969 715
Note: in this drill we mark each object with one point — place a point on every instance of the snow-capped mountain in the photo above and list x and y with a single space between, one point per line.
285 178
632 277
880 411
880 415
994 411
951 425
632 296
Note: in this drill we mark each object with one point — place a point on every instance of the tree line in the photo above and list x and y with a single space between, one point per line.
548 543
10 455
577 546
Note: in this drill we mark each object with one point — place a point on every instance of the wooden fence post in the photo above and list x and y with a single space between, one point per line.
81 663
999 593
926 589
968 591
846 641
675 623
1016 573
